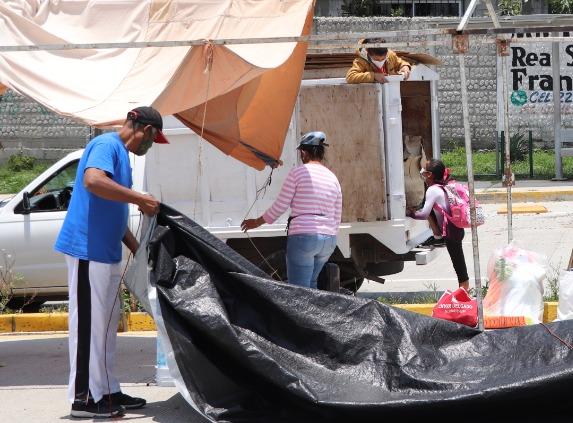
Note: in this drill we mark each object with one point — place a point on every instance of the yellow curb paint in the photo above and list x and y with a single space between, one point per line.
40 322
140 322
425 309
6 322
549 311
523 209
500 195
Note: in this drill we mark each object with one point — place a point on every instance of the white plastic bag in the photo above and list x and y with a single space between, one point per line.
515 284
565 305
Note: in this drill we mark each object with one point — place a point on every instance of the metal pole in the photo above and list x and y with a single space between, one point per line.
435 109
467 15
556 63
503 53
508 176
530 146
469 164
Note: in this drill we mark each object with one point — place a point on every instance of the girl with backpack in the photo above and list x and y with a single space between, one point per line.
436 176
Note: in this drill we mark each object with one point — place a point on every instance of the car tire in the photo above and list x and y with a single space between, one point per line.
25 305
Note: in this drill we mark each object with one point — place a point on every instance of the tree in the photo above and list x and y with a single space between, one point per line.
360 7
509 7
561 6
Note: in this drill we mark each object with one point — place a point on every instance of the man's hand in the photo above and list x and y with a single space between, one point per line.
148 205
249 224
406 72
378 77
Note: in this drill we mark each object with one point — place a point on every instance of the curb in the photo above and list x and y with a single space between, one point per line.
139 322
524 195
549 309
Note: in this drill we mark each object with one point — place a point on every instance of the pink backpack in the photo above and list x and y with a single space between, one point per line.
459 200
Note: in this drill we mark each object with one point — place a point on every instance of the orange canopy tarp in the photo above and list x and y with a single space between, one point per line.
249 90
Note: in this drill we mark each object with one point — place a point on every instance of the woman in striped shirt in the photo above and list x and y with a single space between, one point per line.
313 194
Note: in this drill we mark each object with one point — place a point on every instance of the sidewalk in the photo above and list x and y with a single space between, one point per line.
34 373
524 191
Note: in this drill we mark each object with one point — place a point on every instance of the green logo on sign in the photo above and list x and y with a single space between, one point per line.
518 98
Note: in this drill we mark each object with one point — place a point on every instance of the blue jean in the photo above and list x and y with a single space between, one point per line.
306 255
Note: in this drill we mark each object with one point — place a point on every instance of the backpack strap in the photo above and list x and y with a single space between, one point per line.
445 215
440 208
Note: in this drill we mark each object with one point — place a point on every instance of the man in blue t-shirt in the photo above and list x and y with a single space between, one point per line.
91 238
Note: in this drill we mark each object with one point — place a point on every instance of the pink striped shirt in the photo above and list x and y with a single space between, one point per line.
313 193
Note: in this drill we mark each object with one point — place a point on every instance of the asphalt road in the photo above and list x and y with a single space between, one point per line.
34 372
550 234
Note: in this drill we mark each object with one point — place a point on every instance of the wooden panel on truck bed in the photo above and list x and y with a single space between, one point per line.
349 115
417 112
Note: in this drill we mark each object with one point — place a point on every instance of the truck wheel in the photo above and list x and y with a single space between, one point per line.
24 305
352 284
329 278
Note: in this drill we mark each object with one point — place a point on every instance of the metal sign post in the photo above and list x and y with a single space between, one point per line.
508 179
555 63
460 45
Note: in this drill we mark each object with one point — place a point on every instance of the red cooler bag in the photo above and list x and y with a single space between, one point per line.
458 307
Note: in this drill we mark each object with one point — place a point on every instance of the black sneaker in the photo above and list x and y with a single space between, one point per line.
100 409
128 402
436 242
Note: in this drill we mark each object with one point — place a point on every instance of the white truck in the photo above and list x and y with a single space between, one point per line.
364 126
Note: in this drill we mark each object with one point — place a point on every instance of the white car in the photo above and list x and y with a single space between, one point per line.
29 224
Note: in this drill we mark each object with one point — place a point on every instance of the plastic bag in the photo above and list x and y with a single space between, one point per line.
457 306
565 305
515 284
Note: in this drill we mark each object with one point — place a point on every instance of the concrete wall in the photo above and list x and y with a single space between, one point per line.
28 127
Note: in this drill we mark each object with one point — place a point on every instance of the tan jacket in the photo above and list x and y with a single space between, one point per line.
363 70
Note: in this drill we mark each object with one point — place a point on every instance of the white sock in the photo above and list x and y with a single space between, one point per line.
438 236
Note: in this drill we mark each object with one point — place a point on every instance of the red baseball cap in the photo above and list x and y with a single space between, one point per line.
149 116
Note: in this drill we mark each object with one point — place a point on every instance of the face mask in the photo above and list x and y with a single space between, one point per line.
145 145
378 63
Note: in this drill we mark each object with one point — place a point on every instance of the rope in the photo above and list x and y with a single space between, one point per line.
208 54
567 344
117 294
262 191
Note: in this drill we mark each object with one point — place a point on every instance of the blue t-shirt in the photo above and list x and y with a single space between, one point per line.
94 227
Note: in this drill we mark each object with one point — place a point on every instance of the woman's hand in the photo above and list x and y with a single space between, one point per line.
405 71
410 211
249 224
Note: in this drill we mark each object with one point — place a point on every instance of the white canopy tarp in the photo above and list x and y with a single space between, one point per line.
250 89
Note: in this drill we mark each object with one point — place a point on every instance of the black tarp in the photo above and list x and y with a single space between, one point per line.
251 349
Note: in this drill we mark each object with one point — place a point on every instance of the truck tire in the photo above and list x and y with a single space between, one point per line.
352 284
25 305
329 278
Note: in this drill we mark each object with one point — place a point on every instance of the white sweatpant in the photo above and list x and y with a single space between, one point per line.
94 308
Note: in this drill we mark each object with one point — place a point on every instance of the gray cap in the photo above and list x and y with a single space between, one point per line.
314 138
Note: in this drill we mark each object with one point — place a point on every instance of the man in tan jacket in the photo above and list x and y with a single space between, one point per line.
375 63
